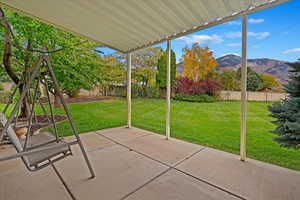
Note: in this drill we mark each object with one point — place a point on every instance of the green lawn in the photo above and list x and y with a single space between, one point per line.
211 124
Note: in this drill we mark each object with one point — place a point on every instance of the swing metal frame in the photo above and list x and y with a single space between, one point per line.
49 151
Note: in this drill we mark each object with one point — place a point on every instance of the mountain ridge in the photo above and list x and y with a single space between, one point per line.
277 68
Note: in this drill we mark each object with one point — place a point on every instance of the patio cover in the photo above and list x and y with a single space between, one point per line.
128 25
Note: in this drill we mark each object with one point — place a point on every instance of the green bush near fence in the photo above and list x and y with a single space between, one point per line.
195 98
136 91
145 92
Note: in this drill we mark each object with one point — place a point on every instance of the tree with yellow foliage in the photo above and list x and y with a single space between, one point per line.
197 62
269 81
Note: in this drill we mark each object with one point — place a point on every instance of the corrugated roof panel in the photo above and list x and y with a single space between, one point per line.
127 25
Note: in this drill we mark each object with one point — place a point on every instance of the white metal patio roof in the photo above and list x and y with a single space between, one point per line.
128 25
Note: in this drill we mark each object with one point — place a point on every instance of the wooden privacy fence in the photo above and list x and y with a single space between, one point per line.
253 96
225 95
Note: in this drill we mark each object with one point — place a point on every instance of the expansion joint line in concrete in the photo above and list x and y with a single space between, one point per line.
130 149
143 185
168 169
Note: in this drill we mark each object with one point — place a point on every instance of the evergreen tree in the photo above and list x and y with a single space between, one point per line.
287 112
161 76
254 81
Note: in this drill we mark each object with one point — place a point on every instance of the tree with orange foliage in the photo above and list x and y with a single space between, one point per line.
197 62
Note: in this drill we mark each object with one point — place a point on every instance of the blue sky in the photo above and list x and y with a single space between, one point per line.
272 33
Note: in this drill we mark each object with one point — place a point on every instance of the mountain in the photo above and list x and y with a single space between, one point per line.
273 67
228 62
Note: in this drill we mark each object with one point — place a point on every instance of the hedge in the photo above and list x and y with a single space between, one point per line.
195 98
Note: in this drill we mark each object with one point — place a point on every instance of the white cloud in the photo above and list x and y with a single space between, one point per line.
257 35
233 23
251 21
255 21
202 39
233 34
291 51
234 45
226 54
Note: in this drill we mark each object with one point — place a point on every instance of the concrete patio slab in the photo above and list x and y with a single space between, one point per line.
6 150
251 179
175 185
91 141
118 172
142 165
123 134
169 151
11 165
21 184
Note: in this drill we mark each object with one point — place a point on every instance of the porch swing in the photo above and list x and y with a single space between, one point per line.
44 149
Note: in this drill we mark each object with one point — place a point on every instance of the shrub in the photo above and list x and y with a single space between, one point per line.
119 91
195 98
208 86
184 85
141 91
136 91
72 93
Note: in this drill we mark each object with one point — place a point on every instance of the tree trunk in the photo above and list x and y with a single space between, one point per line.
7 51
25 109
7 55
56 101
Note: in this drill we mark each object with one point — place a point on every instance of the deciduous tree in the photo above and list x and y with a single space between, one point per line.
144 63
74 61
197 62
269 81
228 79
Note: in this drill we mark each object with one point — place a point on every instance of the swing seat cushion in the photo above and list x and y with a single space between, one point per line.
44 155
38 139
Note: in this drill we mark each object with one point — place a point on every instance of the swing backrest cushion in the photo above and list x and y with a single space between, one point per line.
35 158
11 133
13 137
